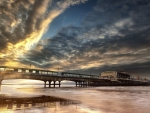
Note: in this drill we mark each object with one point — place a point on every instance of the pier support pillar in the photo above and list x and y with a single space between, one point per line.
0 84
80 84
86 83
76 84
83 83
59 83
54 83
1 78
44 84
49 84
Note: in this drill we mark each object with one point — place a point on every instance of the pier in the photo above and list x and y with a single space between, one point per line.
53 78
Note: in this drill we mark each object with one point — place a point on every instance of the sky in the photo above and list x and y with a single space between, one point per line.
84 36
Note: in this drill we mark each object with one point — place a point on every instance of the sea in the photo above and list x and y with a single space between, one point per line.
34 98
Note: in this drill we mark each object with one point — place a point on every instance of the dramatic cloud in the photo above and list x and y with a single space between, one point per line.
114 35
23 23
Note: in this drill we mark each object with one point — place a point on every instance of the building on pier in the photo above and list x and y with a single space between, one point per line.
122 78
115 75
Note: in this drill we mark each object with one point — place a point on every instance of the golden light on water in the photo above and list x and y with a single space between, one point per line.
5 110
88 110
22 81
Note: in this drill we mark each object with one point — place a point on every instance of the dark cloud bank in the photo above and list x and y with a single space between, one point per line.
113 36
16 20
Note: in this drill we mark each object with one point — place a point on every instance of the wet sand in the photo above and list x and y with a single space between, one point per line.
76 100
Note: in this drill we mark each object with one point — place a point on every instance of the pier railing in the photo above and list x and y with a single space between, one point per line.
30 71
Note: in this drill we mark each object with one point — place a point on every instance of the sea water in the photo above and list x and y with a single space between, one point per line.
71 99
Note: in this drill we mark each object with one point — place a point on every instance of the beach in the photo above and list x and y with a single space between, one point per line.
71 99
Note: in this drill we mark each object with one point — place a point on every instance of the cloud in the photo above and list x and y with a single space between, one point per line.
23 23
114 35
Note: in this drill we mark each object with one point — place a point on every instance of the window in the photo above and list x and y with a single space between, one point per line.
19 70
33 71
2 69
27 71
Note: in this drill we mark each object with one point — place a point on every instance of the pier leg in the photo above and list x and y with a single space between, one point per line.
49 84
1 78
86 83
59 83
54 83
44 84
80 84
0 84
76 84
83 84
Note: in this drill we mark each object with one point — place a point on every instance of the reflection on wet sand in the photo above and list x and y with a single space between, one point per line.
87 100
33 102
